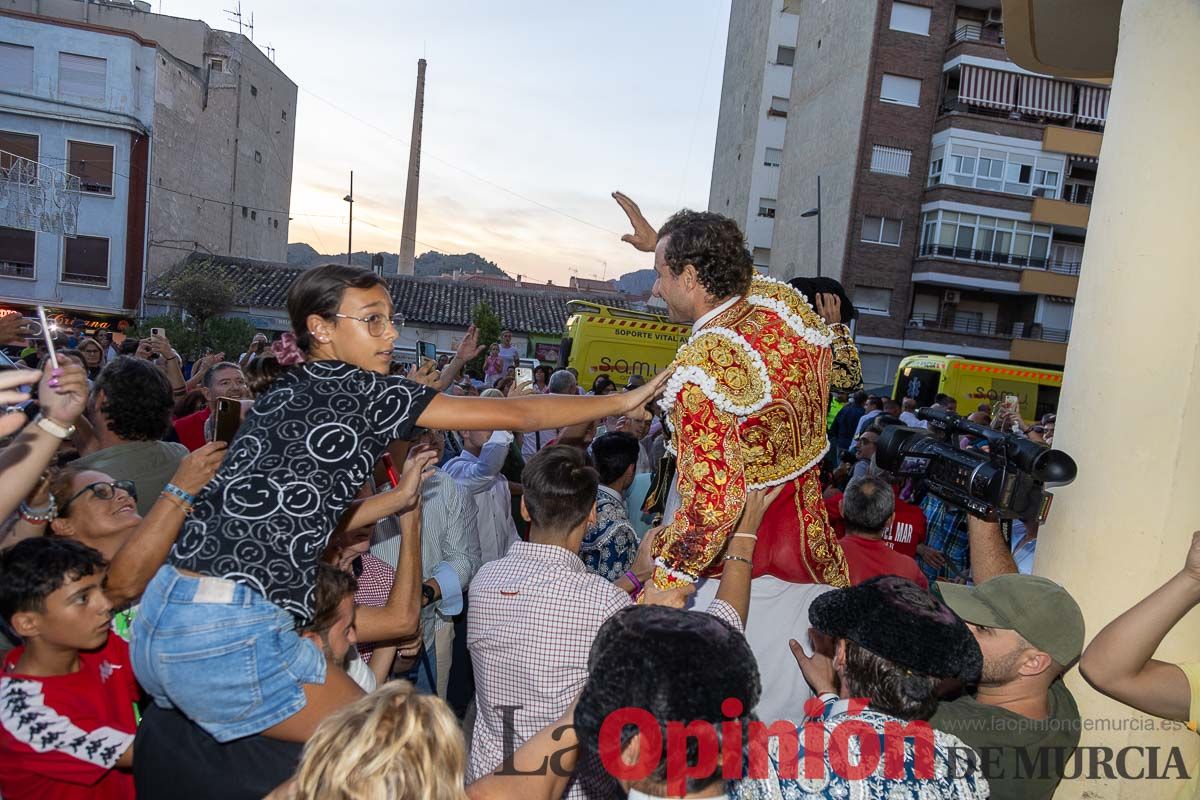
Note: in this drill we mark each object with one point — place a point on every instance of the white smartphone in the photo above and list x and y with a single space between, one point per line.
158 331
524 375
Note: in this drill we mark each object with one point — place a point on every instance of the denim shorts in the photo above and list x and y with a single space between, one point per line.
221 653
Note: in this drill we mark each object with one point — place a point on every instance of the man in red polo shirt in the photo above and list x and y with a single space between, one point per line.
907 534
221 380
868 511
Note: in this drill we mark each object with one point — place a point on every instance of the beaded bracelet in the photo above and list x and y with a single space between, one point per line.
29 514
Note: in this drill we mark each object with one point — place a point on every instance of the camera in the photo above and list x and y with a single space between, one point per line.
1007 482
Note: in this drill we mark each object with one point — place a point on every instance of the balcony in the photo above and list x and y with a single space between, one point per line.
1002 260
1061 213
1060 139
15 269
978 33
973 326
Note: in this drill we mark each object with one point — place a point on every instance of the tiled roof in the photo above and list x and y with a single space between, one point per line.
261 284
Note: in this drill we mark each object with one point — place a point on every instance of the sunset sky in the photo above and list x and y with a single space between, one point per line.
534 112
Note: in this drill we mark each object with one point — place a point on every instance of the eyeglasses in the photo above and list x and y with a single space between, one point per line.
377 324
104 490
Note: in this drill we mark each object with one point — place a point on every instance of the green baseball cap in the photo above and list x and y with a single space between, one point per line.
1037 608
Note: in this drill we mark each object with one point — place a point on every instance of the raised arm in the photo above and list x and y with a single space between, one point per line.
535 412
990 556
739 552
468 349
401 616
1119 662
62 394
147 547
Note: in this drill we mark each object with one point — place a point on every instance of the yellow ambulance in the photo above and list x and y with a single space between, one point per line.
618 342
972 382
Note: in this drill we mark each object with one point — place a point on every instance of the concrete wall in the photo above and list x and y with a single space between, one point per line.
833 59
741 114
227 136
124 115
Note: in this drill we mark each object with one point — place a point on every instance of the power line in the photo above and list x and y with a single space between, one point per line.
463 170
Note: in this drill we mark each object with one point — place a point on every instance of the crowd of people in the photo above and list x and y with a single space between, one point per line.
407 581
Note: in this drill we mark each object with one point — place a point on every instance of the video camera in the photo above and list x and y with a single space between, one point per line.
1007 482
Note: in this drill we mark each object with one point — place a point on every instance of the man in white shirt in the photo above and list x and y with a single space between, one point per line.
476 470
561 382
909 417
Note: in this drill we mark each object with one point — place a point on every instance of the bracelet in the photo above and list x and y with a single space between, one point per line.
753 536
175 500
29 514
739 558
637 585
174 490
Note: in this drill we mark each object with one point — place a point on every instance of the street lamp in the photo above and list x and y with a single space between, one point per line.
816 212
350 234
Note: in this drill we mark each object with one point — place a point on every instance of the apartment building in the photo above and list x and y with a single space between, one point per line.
954 185
202 163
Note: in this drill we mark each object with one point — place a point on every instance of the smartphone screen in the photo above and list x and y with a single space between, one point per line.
426 351
229 419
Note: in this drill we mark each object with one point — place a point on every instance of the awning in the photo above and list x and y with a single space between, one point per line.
988 88
1093 104
1045 97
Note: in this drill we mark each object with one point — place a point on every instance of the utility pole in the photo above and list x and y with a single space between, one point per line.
350 233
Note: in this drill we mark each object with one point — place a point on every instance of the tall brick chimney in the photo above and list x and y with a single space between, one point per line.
408 240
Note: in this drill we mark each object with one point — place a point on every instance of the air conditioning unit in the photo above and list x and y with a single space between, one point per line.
951 296
994 17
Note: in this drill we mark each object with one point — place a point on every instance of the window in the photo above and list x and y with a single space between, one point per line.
216 65
974 237
890 160
245 212
257 157
880 370
21 145
766 207
284 113
936 163
881 230
870 300
900 90
785 56
82 76
253 90
16 67
1045 183
909 18
253 214
85 260
16 253
276 224
93 165
773 158
762 257
779 107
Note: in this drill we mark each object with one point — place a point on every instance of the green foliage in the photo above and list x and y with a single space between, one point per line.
185 340
202 296
228 335
488 325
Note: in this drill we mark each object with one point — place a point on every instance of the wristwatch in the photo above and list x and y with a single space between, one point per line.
55 429
427 594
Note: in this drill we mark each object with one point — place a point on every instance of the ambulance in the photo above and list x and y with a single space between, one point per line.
617 342
972 382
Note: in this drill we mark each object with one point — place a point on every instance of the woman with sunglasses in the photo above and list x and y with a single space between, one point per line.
93 509
216 635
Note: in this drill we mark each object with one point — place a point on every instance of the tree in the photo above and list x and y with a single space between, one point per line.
228 335
488 325
201 296
185 340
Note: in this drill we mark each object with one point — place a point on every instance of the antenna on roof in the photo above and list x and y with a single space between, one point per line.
237 15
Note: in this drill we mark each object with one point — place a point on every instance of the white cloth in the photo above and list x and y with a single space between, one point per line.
509 357
360 673
535 441
778 612
911 420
